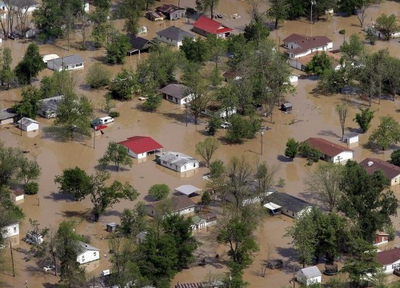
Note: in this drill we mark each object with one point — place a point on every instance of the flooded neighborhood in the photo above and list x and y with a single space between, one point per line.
161 146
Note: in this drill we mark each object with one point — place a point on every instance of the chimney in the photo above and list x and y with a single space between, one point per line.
370 163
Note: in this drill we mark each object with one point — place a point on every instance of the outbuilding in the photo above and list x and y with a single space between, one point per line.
88 253
188 190
18 195
281 202
112 227
28 124
308 276
351 139
286 107
10 230
7 116
381 238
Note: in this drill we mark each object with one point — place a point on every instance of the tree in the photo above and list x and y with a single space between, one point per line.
60 83
387 25
354 48
195 51
30 66
265 177
278 11
304 233
217 48
48 18
206 198
7 75
104 197
133 221
130 10
364 200
31 188
319 64
325 181
75 182
117 154
296 9
214 123
207 5
29 106
395 157
292 148
117 49
207 148
217 168
341 110
100 26
242 128
392 68
387 133
74 114
364 119
98 76
362 7
124 85
256 30
152 103
312 155
29 170
159 191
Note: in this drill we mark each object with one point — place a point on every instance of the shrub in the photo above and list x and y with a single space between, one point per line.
98 76
152 103
159 191
31 188
206 198
114 114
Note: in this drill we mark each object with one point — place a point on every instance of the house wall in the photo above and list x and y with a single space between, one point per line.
380 239
395 181
137 156
185 100
10 230
388 269
350 140
189 166
186 211
296 64
169 41
199 31
19 198
177 15
88 256
7 121
343 157
31 127
314 280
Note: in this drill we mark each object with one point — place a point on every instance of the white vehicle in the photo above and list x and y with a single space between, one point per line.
226 125
49 268
105 272
106 120
33 238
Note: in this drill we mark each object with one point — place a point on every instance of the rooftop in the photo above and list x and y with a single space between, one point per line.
326 147
67 60
187 189
169 8
388 257
311 272
373 164
211 26
306 42
288 201
139 43
176 90
27 121
175 33
6 114
141 144
176 158
179 203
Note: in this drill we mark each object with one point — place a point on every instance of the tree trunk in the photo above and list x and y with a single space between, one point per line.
276 23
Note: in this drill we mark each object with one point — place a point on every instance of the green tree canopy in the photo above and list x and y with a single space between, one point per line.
364 118
387 25
117 154
159 191
207 148
74 181
292 148
319 64
117 49
30 66
353 48
29 106
197 51
387 133
395 157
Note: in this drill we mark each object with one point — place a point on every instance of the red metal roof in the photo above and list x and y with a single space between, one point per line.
388 257
211 26
327 147
141 144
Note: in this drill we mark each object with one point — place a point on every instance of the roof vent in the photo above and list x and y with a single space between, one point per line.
370 163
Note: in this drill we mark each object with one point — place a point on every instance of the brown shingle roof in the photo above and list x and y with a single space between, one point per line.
387 168
179 203
388 257
306 42
326 147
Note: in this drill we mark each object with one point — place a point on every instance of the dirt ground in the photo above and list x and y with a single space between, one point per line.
312 116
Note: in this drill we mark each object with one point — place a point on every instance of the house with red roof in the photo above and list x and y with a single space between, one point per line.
206 26
331 151
141 146
389 259
298 45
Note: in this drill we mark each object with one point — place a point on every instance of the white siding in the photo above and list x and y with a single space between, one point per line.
137 156
395 181
88 256
186 211
31 127
343 157
388 269
11 230
169 41
189 166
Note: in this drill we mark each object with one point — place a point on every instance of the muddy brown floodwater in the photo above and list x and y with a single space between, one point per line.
311 116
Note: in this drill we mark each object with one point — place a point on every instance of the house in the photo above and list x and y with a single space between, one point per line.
188 190
112 227
205 26
18 195
216 108
298 45
141 237
281 202
71 62
351 139
392 172
331 151
141 146
381 238
389 259
173 36
309 275
203 221
139 45
154 16
28 34
301 62
7 116
171 11
177 93
87 254
177 161
28 124
48 106
49 57
10 230
180 205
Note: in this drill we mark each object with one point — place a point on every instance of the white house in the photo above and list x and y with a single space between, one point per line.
331 151
173 36
177 161
392 172
28 124
71 62
298 45
141 146
177 93
88 253
180 205
10 230
309 275
389 259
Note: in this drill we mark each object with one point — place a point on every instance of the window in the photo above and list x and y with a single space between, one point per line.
94 254
15 229
184 167
194 164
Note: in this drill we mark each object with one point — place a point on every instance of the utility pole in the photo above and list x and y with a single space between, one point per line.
313 2
12 260
94 137
262 144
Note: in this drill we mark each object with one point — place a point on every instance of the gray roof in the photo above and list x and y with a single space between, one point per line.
187 189
175 33
177 158
311 272
27 121
23 4
6 114
288 201
176 90
50 105
87 247
67 60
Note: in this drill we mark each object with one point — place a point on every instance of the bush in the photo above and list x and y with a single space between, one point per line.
98 76
31 188
159 191
206 198
114 114
152 103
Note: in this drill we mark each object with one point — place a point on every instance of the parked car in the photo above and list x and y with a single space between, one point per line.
396 272
274 264
226 125
49 268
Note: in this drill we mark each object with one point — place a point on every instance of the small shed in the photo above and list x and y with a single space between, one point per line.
381 238
18 195
28 124
49 57
7 116
351 139
309 275
112 227
286 107
188 190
